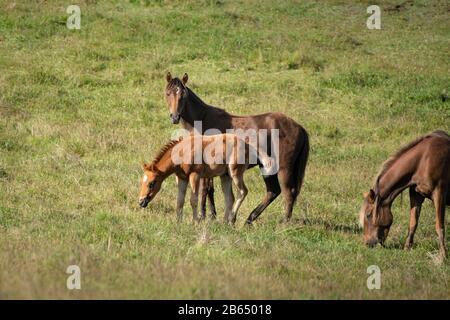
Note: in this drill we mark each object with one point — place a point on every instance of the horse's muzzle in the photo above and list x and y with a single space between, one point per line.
175 118
144 202
372 242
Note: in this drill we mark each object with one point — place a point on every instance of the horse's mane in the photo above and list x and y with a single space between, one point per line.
164 149
175 82
390 161
192 93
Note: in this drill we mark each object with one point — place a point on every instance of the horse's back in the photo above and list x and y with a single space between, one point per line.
276 120
292 136
438 147
435 160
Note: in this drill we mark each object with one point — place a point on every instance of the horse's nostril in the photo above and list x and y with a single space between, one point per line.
143 202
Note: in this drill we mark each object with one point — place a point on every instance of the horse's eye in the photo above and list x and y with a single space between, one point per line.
151 184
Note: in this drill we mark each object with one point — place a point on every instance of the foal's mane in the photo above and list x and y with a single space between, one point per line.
164 149
391 160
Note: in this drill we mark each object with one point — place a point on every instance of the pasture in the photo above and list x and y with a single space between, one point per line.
80 110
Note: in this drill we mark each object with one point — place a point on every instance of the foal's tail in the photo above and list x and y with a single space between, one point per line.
301 160
267 165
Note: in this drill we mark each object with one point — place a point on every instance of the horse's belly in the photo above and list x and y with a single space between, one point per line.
214 170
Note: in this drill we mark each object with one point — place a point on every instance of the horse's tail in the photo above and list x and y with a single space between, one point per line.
300 162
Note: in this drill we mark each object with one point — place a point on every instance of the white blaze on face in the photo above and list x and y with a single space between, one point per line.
145 178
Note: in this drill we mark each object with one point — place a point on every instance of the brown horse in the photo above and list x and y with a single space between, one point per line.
186 106
228 158
423 166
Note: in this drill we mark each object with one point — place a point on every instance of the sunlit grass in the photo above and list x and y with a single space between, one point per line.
80 110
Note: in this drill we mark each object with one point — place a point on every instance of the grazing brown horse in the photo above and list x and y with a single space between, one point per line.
186 106
229 157
423 166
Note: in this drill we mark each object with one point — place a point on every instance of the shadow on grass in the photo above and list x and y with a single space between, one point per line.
395 244
353 229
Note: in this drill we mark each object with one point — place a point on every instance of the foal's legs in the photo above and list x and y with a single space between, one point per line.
415 200
182 186
212 205
194 181
227 189
204 194
272 191
207 192
439 199
238 180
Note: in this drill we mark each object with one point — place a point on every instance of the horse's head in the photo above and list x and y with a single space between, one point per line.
150 184
176 96
376 219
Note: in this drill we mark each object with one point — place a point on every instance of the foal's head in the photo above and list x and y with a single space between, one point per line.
376 219
176 94
150 184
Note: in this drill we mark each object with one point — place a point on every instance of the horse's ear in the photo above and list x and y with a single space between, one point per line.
168 77
371 196
154 168
144 165
185 78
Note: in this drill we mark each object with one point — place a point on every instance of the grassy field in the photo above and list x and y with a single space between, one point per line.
80 109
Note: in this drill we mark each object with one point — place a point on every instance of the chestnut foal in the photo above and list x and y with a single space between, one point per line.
229 158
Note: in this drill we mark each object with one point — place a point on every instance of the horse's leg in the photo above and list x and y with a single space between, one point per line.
194 181
204 194
212 205
415 200
182 186
290 192
238 180
272 191
227 190
439 204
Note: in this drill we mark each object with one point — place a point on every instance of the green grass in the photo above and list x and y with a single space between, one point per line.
80 109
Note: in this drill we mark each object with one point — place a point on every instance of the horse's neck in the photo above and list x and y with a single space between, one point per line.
197 110
396 179
166 165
